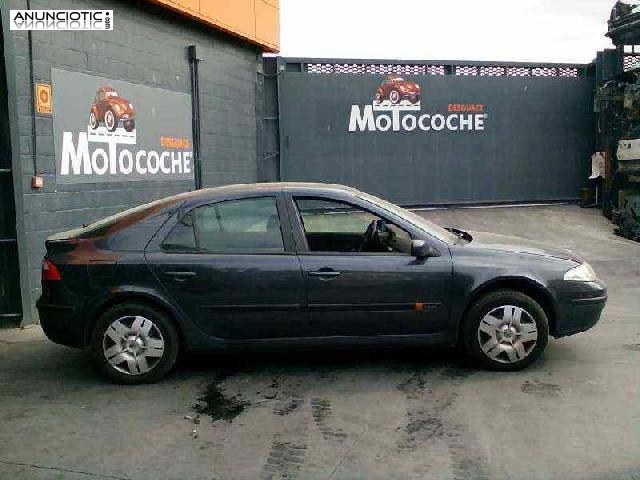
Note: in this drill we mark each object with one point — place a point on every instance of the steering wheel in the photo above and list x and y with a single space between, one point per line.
371 235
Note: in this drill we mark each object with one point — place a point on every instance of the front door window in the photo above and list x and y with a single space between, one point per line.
333 226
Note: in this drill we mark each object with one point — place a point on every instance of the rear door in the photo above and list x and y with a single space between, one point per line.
359 288
231 267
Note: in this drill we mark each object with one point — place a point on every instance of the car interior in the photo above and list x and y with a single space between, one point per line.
332 226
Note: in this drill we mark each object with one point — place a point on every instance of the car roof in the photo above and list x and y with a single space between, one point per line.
143 215
251 189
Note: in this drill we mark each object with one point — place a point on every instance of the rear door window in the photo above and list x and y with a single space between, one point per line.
183 236
250 225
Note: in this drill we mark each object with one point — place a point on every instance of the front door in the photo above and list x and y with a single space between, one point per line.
360 276
226 266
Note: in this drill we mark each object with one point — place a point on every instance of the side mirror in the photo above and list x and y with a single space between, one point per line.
420 249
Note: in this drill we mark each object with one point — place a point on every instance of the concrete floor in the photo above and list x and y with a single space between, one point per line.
575 414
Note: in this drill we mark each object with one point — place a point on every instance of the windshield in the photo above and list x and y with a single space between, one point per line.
112 94
423 224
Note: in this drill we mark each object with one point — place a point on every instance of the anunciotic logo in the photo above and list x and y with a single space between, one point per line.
61 19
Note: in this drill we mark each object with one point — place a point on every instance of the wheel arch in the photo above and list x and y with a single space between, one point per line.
137 297
524 285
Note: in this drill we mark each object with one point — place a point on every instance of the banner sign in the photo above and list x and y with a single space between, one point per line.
396 107
113 131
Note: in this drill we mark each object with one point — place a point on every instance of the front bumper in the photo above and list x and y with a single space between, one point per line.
579 306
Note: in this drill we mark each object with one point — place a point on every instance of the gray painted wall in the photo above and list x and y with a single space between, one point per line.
148 47
536 144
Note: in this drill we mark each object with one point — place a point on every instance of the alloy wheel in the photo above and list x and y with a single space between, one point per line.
507 334
133 345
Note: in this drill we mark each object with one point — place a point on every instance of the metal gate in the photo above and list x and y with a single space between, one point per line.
10 302
422 133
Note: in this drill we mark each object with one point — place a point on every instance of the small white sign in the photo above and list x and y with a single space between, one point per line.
61 19
629 149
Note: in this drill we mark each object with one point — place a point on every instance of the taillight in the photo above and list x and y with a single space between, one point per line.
50 272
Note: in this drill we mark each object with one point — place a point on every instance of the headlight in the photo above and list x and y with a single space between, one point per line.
581 273
118 108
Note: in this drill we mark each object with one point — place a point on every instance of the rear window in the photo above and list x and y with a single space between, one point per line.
104 226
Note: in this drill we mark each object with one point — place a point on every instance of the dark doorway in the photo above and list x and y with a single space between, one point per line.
10 305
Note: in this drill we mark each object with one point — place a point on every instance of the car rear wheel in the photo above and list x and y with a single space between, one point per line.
134 343
110 120
93 121
129 125
394 96
506 330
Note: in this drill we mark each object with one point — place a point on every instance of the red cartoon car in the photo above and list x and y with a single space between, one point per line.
396 89
110 108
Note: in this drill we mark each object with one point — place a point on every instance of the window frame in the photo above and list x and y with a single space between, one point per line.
301 238
182 211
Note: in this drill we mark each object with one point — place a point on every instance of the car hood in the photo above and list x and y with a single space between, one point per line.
507 243
122 102
409 86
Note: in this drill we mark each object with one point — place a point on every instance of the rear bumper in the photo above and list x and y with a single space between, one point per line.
61 324
579 308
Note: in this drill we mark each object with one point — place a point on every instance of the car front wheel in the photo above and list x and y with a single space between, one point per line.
110 120
134 343
505 330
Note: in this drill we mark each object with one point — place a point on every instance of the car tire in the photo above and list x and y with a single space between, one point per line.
505 330
394 96
110 120
93 121
378 97
134 343
129 125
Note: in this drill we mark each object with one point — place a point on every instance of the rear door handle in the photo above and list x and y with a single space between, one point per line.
324 273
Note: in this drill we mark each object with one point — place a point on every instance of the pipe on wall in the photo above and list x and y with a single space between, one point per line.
33 102
195 113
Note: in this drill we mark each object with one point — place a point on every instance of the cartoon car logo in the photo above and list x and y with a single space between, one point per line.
110 108
396 89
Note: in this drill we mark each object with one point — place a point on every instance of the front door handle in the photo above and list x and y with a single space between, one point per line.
325 273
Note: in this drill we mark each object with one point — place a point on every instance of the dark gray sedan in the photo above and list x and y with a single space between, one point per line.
297 264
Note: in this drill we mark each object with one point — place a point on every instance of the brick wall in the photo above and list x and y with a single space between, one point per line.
148 47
